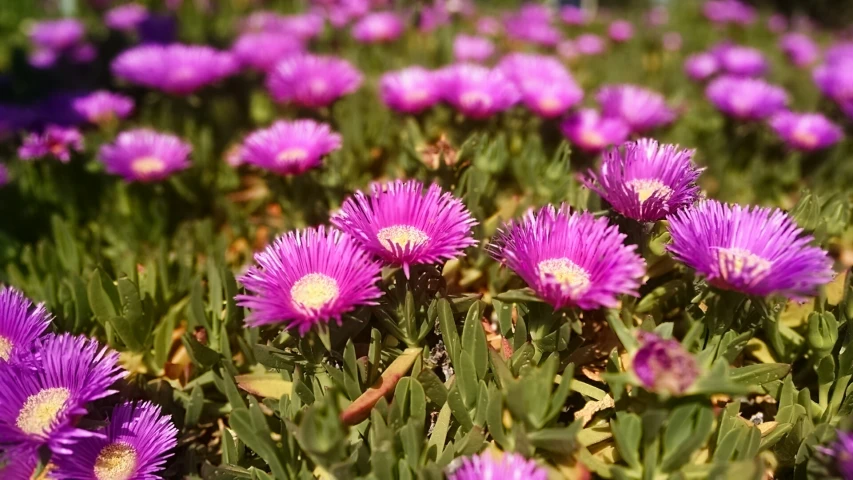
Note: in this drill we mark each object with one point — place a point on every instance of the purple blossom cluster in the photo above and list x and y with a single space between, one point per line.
56 39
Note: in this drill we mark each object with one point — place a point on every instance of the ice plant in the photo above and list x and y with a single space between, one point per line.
800 49
757 251
620 31
145 155
126 17
176 69
590 44
489 26
40 405
842 450
404 226
55 141
309 277
572 15
487 465
103 107
746 98
263 50
835 79
664 366
741 61
777 23
312 80
641 109
290 147
134 445
477 92
701 66
806 131
591 132
468 48
411 90
729 11
546 87
569 258
646 181
21 323
378 27
532 23
57 35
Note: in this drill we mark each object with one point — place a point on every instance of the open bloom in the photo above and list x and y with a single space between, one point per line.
21 323
57 35
145 155
546 87
742 61
777 23
620 31
309 277
591 132
476 91
729 11
700 66
572 15
103 107
842 450
757 251
646 181
176 69
489 26
532 23
508 466
806 131
40 405
746 98
468 48
570 258
378 27
410 90
800 49
134 445
126 17
590 44
835 79
639 108
263 50
312 80
290 147
400 224
55 141
664 366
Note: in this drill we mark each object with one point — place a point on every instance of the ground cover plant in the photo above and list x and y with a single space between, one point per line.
342 239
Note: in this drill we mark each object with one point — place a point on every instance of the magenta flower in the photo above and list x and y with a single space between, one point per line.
729 11
657 16
572 15
290 147
664 366
757 251
800 49
835 79
587 130
701 66
489 26
312 81
400 224
620 31
305 26
842 450
508 466
21 324
176 69
777 23
590 44
126 17
264 50
341 12
532 24
468 48
746 98
546 87
569 258
646 181
309 277
145 155
741 61
378 27
477 92
411 90
806 131
639 108
57 142
839 52
103 107
57 35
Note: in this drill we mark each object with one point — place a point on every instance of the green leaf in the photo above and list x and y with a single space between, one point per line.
449 333
627 431
435 390
759 374
103 296
458 408
200 354
66 247
474 340
195 407
466 377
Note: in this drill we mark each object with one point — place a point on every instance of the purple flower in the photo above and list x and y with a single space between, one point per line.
532 23
40 405
433 15
57 35
590 44
746 98
646 181
126 17
21 324
19 462
43 58
378 27
262 21
806 131
304 26
477 92
620 31
835 79
664 366
701 66
639 108
4 175
176 69
567 50
569 258
489 26
83 53
657 16
671 41
572 15
263 50
341 12
309 277
839 52
312 80
729 11
842 450
55 141
411 90
757 251
741 61
290 147
470 48
134 445
777 23
144 155
546 87
508 466
103 107
800 49
587 130
400 224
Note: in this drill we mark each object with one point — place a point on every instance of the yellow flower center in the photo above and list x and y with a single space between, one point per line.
401 235
805 137
6 346
566 273
416 95
646 188
147 166
41 410
550 104
736 261
475 98
117 461
314 291
292 155
592 138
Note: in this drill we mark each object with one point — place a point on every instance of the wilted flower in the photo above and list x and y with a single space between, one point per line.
638 107
546 87
806 131
411 90
177 69
729 11
57 35
309 277
569 258
21 323
591 132
477 92
126 17
145 155
263 50
664 366
835 79
800 49
400 224
572 15
103 107
700 66
290 147
55 141
471 48
134 445
590 44
757 251
741 61
746 98
671 41
40 405
646 181
312 80
507 466
378 27
620 31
